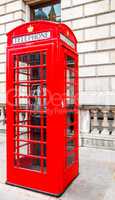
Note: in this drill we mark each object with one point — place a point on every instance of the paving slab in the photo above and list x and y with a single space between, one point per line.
96 180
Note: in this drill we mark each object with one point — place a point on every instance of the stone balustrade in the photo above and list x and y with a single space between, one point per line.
97 127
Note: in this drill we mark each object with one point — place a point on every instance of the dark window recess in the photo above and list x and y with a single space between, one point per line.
46 11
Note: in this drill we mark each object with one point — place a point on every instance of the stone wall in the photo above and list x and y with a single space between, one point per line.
12 14
93 22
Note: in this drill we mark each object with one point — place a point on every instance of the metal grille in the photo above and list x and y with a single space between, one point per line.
30 138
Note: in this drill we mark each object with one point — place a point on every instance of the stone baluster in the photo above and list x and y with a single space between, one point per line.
113 125
4 113
105 123
100 119
94 123
110 121
2 118
84 121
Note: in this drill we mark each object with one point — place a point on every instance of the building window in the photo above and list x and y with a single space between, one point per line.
47 11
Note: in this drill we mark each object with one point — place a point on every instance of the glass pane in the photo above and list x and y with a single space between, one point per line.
70 103
35 74
70 62
70 131
70 145
23 61
70 76
35 119
71 159
29 60
28 163
70 117
44 150
44 134
40 14
44 165
57 8
70 90
44 58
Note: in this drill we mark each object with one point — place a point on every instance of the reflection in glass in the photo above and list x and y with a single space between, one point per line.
70 76
70 117
71 159
70 62
44 134
70 103
70 131
33 163
38 103
29 59
70 90
40 14
70 145
44 58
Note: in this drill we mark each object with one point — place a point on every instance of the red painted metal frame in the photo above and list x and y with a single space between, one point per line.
58 174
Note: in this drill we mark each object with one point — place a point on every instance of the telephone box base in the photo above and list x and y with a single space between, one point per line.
40 191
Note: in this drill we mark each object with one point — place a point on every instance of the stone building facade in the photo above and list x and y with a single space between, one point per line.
93 22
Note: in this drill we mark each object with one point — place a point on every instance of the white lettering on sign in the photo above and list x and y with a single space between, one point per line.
67 40
32 37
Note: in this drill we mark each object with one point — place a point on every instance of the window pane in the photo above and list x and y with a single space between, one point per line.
47 11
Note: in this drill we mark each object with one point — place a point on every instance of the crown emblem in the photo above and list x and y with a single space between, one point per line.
68 33
30 28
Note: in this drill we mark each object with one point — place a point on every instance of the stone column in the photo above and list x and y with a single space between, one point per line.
94 123
84 125
113 125
2 118
105 123
84 121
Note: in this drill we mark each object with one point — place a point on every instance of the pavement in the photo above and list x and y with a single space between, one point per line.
95 182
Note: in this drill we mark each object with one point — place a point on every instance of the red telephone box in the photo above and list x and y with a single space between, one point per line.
42 107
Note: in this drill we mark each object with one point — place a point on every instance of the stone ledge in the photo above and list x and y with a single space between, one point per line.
98 142
102 137
30 2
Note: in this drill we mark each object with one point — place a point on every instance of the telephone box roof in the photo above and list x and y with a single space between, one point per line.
41 26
